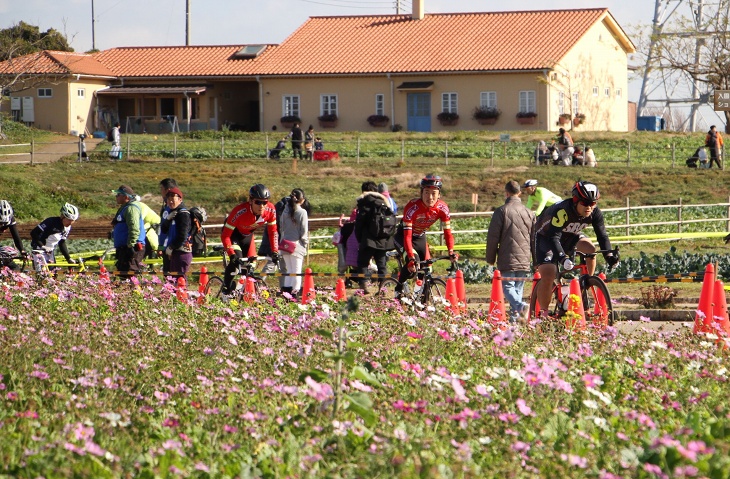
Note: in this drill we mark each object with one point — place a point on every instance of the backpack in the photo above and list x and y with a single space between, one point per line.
110 135
198 237
382 223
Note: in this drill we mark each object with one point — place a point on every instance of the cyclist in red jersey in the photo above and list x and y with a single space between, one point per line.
256 213
418 216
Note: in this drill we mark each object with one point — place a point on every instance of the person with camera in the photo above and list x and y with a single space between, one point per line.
128 233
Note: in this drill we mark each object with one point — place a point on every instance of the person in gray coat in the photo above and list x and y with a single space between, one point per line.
508 243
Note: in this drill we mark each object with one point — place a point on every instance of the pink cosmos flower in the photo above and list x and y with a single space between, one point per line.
40 375
445 335
524 408
592 380
319 391
166 374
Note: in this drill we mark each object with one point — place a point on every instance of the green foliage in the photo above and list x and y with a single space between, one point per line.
23 38
672 262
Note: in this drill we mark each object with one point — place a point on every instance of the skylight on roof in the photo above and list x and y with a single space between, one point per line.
250 51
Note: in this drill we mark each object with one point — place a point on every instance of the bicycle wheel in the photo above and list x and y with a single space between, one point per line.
387 289
557 308
214 287
596 301
434 292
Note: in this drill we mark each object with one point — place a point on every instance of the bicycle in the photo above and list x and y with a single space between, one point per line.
592 287
425 289
246 271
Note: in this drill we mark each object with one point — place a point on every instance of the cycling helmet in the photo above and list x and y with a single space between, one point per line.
70 211
529 183
6 212
259 192
431 181
585 191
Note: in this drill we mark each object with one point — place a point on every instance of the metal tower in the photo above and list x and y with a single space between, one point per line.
663 87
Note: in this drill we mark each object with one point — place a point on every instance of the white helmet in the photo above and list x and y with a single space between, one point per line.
6 212
70 211
529 183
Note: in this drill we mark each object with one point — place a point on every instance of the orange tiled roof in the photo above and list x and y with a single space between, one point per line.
176 61
448 42
50 62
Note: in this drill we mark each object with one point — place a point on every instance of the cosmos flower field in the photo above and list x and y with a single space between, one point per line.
125 380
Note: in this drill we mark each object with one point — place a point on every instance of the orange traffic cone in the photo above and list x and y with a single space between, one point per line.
451 295
203 280
576 317
719 312
600 309
461 289
535 278
308 292
249 290
340 294
103 273
497 313
703 317
182 289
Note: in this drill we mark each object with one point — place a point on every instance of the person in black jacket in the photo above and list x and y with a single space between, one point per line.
370 247
177 228
297 137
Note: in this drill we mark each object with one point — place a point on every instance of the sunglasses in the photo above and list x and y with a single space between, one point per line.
260 202
587 203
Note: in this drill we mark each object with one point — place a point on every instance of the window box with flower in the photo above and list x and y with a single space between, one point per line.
579 119
378 120
486 115
288 121
564 119
448 118
328 120
526 117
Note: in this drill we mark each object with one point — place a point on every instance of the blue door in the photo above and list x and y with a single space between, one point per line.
419 111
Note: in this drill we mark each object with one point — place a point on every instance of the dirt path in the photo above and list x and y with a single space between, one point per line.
47 152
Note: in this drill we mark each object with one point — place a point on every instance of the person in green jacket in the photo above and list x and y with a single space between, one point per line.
540 196
151 222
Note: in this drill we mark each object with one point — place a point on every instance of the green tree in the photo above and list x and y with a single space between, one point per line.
22 39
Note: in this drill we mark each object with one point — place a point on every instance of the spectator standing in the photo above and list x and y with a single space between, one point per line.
52 232
383 190
177 229
115 153
309 142
165 185
590 157
128 233
540 196
294 240
297 136
714 142
508 243
370 247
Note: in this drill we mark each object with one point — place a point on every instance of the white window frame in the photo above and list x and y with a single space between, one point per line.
607 92
328 104
528 101
618 92
379 104
45 92
595 91
575 103
450 102
488 99
81 92
290 105
561 102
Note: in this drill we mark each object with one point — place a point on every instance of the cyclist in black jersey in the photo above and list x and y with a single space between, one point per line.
558 233
52 232
7 222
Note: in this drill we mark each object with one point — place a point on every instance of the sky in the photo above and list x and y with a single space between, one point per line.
119 23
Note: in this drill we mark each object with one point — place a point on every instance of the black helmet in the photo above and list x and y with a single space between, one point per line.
259 192
585 191
431 181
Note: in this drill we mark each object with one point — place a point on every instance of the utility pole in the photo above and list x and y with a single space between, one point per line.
93 28
187 23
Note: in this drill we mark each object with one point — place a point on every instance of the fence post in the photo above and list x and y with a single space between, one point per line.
679 216
674 156
174 148
628 156
628 217
32 150
446 151
223 151
358 150
728 213
492 153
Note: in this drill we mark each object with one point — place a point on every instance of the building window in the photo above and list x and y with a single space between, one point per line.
528 102
290 106
380 104
618 93
81 93
45 92
328 104
607 92
595 91
449 102
488 99
576 110
561 102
